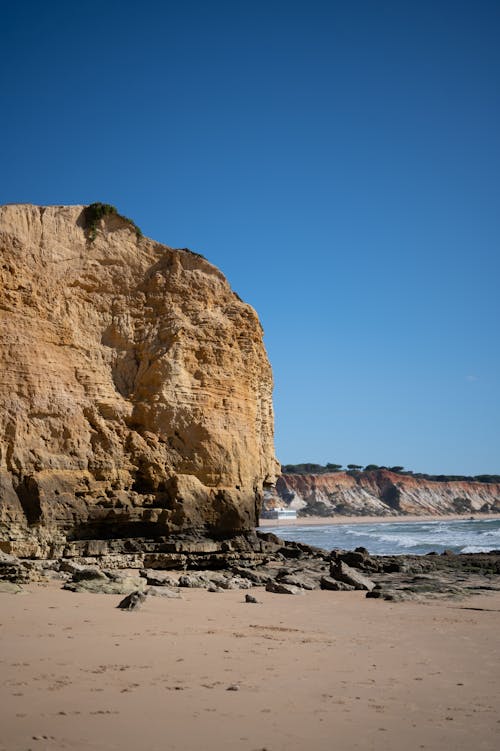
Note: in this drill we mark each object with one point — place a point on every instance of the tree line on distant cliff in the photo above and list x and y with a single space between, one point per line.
356 469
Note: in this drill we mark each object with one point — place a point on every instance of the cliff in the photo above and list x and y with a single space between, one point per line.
135 390
384 493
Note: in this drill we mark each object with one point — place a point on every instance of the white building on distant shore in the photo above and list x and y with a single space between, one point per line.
279 513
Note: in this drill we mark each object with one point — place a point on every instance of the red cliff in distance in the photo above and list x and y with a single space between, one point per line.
384 493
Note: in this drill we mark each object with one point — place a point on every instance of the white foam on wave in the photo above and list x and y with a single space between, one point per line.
386 538
409 539
495 534
476 549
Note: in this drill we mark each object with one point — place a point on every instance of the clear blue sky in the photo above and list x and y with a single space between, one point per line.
339 161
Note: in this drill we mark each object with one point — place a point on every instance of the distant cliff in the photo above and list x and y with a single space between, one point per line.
384 493
135 390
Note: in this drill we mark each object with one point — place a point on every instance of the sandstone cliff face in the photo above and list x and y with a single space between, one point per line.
135 391
384 493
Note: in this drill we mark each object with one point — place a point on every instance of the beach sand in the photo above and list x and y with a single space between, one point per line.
321 671
311 521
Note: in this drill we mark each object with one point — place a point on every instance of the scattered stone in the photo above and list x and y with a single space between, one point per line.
160 578
70 567
12 569
166 592
251 598
270 537
214 588
83 573
218 577
193 581
236 582
328 583
119 585
290 553
283 589
354 558
133 601
344 573
233 687
256 576
298 580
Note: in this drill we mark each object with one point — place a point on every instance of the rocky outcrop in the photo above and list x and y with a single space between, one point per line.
384 493
135 391
285 568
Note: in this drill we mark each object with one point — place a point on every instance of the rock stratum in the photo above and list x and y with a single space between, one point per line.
135 390
384 493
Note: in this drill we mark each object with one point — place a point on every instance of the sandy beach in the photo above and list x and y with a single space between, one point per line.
209 671
310 521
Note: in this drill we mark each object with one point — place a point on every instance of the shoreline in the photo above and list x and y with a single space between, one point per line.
314 521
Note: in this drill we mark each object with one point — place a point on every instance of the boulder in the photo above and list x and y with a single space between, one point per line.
214 588
169 594
133 601
256 576
195 581
90 573
344 573
236 582
12 570
298 580
117 585
336 586
160 578
278 588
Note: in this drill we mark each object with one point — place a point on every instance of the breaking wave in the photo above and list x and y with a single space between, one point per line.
392 538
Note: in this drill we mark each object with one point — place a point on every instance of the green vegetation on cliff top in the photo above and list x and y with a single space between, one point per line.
356 469
93 214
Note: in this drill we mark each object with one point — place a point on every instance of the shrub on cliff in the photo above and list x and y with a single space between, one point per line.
93 214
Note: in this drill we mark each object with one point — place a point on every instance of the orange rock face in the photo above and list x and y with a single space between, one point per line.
135 390
384 493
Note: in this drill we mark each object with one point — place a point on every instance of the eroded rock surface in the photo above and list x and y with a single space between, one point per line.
135 390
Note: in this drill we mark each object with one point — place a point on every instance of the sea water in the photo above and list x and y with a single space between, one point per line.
392 538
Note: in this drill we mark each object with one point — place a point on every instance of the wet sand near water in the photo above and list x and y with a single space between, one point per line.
318 671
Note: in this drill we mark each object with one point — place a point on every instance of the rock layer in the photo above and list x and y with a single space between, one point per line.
384 493
135 390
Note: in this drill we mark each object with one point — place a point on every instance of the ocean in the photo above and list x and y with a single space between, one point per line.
392 538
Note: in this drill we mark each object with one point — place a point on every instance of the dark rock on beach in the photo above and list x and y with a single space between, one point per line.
341 572
298 580
133 601
328 582
94 580
283 589
12 570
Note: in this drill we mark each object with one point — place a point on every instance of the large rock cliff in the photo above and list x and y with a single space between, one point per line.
135 390
384 493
